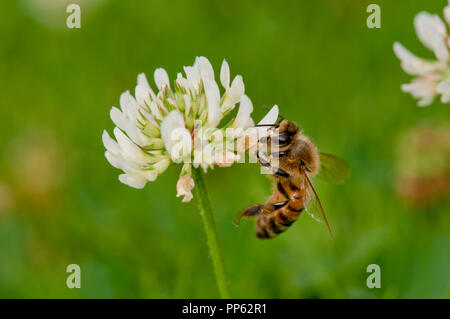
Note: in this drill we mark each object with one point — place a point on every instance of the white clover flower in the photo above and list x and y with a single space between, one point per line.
432 77
180 124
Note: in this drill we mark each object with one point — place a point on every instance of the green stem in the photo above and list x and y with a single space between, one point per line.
211 235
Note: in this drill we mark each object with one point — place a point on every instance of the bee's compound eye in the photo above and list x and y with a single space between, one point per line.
281 139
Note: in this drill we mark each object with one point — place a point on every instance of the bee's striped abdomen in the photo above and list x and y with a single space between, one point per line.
268 226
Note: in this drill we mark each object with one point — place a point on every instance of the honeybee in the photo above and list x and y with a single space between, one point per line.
291 159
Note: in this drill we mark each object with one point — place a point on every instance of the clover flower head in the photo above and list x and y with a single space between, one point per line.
432 76
181 122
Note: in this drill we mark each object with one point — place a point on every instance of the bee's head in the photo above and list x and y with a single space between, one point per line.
287 127
282 134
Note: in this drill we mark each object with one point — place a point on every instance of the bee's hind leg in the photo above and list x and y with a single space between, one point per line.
250 212
279 204
265 209
256 210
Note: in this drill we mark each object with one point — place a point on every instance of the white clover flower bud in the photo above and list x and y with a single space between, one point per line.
184 186
179 125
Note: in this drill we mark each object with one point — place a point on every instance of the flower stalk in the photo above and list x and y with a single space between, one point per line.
210 230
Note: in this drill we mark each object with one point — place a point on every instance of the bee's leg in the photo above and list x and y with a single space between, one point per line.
279 172
278 154
256 210
274 170
269 208
250 212
264 139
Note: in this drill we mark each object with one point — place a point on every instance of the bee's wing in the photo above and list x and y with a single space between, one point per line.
333 169
314 207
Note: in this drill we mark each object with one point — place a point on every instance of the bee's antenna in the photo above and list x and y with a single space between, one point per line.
281 119
272 125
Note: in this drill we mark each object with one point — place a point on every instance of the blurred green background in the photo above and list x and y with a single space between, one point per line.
61 201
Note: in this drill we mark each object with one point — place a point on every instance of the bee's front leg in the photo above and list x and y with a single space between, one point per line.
274 170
